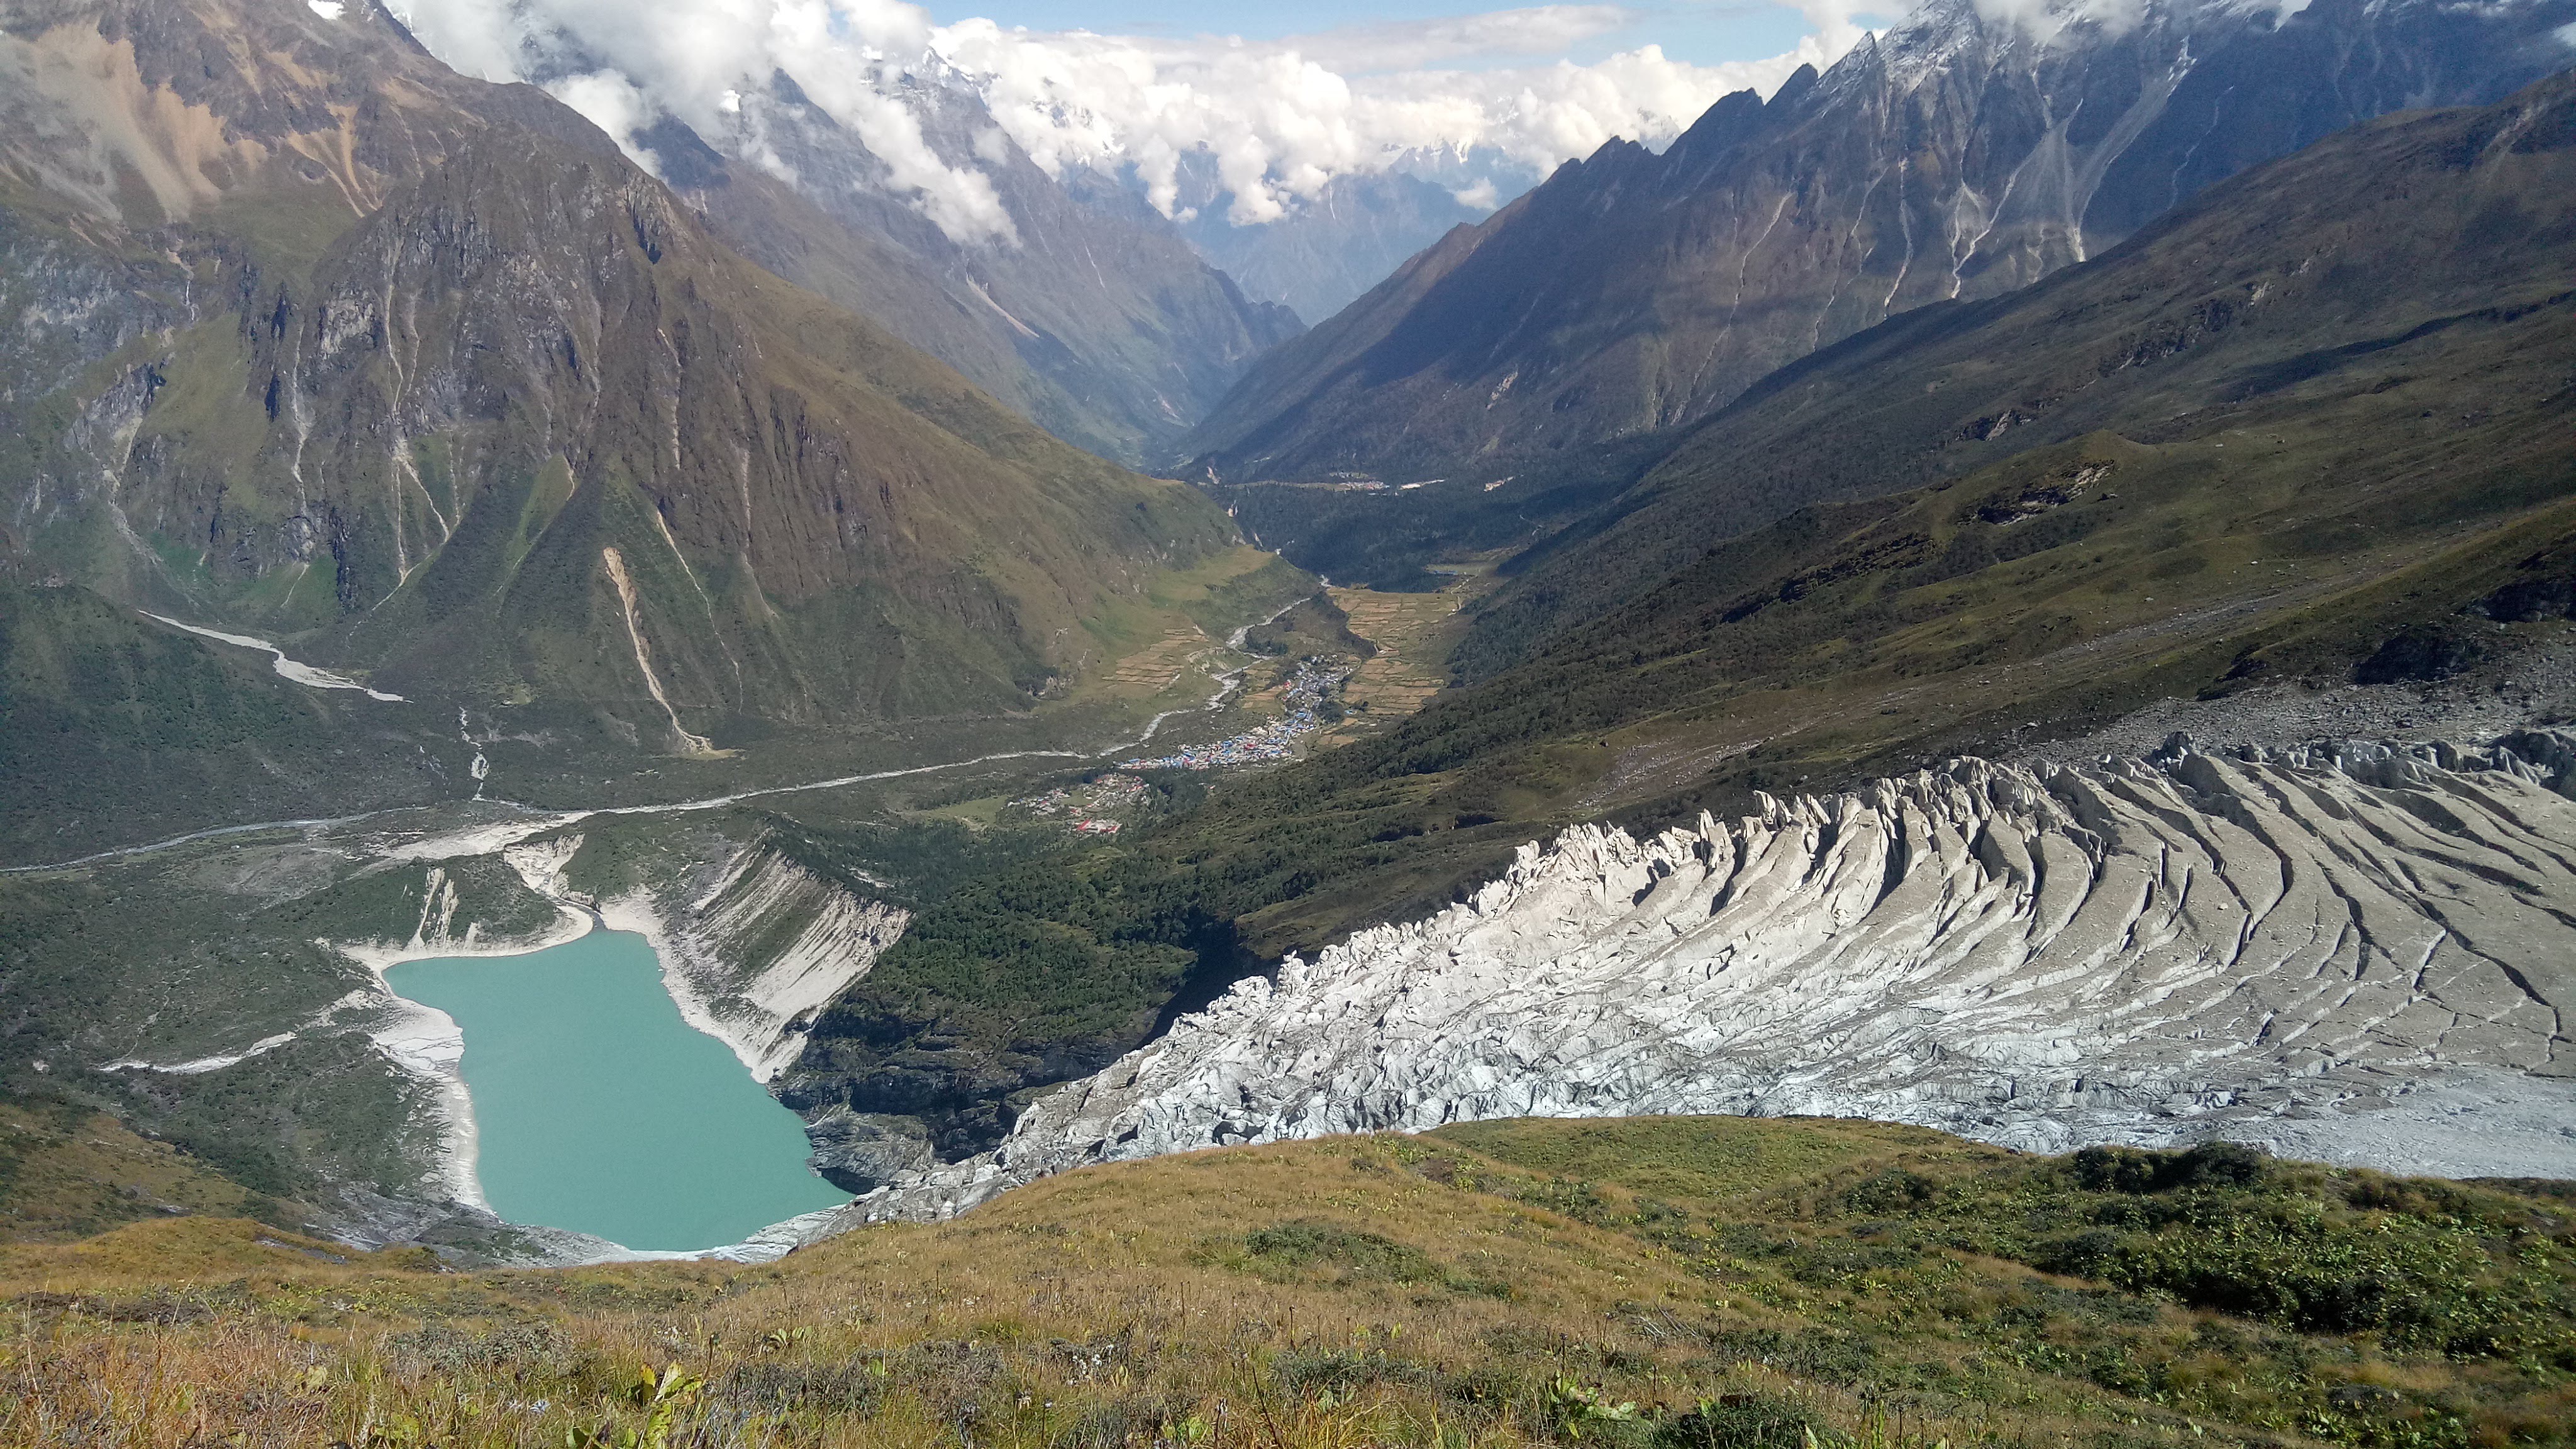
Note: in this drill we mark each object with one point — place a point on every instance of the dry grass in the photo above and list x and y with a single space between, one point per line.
71 1173
1388 1291
1159 665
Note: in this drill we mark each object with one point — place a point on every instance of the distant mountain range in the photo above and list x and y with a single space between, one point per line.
1322 256
1962 155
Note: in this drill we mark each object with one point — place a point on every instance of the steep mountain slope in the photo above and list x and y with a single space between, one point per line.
114 729
1093 318
330 340
1959 156
2394 275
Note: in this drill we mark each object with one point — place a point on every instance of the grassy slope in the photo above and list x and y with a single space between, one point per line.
2426 251
1673 1282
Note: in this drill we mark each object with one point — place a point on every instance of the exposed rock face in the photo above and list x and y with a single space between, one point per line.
320 335
1095 319
758 951
1960 156
753 945
2359 953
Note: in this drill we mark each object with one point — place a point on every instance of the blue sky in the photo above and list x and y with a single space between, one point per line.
1703 34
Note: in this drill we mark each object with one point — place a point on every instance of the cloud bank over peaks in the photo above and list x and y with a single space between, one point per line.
1279 119
2047 20
625 64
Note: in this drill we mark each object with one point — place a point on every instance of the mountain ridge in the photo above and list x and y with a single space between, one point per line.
2271 283
537 432
1957 156
1096 319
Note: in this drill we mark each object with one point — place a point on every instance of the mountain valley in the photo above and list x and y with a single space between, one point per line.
1897 777
1552 353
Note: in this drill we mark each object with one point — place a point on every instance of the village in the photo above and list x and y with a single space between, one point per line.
1086 807
1307 703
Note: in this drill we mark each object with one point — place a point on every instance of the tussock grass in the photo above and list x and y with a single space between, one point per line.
1658 1284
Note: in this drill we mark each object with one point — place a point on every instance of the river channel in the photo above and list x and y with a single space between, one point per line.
596 1108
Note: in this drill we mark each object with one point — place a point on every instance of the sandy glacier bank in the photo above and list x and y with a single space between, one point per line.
2355 952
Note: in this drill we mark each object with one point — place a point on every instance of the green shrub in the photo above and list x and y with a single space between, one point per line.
1744 1421
1357 1254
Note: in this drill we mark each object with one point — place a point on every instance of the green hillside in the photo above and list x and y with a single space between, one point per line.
423 377
115 731
1683 1282
2392 304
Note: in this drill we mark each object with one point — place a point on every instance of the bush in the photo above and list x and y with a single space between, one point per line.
1358 1254
1743 1421
2130 1170
1894 1193
772 1386
1341 1372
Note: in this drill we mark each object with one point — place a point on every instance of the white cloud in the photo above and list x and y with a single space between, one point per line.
614 104
2045 20
1538 30
1278 118
693 58
1282 118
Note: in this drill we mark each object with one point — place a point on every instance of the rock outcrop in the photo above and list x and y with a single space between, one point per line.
2354 952
754 954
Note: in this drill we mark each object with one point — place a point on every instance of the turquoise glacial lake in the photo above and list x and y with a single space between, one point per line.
596 1108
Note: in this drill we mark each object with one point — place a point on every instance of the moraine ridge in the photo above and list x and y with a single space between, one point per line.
2358 952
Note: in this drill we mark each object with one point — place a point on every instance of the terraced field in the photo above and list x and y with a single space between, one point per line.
1412 633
